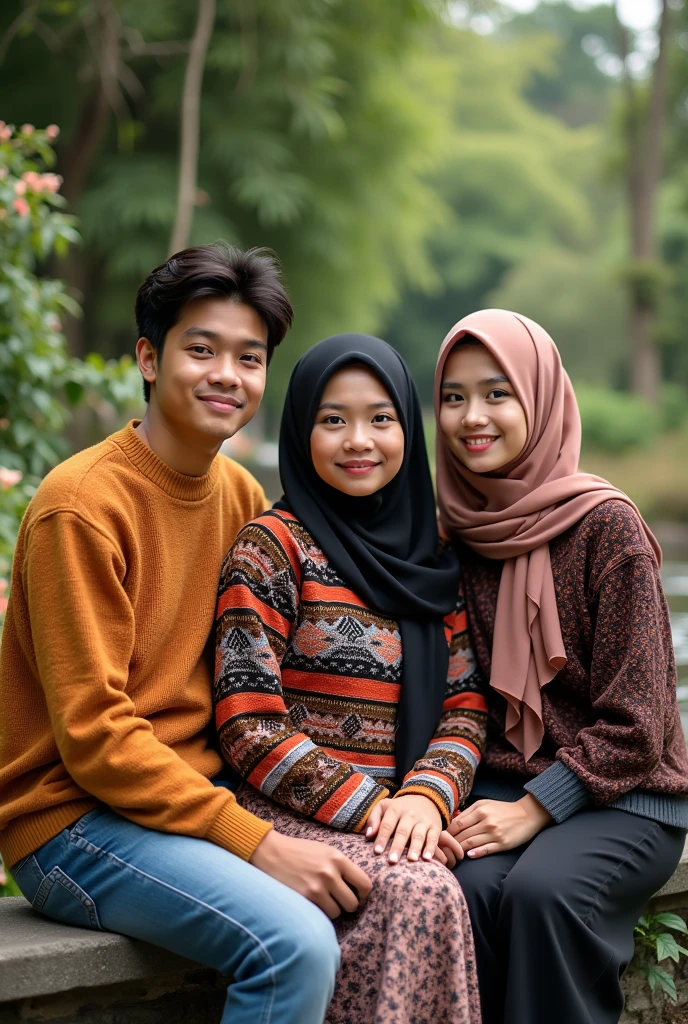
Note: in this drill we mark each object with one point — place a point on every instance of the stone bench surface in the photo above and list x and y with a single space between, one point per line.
40 957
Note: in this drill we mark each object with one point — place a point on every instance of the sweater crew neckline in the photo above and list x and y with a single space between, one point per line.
155 469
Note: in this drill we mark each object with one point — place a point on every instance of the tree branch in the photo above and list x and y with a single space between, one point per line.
138 47
190 125
17 25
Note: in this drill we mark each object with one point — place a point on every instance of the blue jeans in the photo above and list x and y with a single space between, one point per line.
196 899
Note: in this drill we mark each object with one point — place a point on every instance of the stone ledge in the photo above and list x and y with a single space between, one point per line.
678 883
40 957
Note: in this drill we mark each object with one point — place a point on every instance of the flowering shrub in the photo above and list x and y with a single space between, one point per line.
39 381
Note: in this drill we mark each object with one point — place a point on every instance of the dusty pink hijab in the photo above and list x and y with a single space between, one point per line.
513 516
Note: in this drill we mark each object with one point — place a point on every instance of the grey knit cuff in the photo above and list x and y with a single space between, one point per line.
560 791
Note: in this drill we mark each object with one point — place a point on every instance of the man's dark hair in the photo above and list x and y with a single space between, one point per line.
253 277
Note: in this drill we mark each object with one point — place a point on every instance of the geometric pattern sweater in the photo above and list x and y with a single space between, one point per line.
307 682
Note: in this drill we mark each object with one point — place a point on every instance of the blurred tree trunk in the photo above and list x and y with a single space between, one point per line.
78 156
191 126
644 130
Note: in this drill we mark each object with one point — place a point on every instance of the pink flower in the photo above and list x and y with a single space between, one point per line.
27 129
3 173
50 182
6 134
31 178
20 188
9 477
22 207
52 131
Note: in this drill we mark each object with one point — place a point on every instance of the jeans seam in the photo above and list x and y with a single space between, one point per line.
79 840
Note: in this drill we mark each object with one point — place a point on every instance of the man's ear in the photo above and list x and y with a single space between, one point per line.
147 358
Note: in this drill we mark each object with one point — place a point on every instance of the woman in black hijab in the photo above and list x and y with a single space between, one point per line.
384 545
344 675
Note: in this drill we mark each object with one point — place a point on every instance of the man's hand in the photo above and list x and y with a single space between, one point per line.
412 821
490 826
315 870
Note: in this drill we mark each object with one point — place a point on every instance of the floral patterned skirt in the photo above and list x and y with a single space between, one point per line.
407 953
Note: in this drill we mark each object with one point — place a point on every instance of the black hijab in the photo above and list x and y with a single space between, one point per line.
384 546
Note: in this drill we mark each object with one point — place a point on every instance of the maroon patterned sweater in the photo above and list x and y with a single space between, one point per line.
613 732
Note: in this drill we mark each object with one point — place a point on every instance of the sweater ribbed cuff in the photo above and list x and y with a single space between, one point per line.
560 791
412 788
364 820
237 830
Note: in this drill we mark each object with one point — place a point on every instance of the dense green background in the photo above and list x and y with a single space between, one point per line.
406 169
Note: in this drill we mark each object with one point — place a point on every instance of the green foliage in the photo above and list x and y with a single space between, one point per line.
406 169
576 90
645 281
673 407
320 122
614 421
39 382
579 300
512 180
10 886
653 943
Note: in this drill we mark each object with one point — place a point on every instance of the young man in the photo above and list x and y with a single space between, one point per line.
109 817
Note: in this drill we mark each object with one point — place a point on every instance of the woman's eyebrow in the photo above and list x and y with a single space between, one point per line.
387 404
499 379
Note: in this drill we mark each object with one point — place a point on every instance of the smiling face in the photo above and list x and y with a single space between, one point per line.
480 416
209 378
357 441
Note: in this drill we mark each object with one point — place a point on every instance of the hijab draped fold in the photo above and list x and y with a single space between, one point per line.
512 515
385 546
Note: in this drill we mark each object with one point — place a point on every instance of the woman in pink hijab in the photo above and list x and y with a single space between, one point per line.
580 808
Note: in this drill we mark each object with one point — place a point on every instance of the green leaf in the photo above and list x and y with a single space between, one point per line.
667 946
657 977
669 921
74 391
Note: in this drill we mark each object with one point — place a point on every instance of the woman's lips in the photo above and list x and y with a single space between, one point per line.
480 443
358 467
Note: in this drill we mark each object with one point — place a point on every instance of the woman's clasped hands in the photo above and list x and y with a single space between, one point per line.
413 823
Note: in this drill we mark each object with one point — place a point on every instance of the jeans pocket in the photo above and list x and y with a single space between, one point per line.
28 875
60 897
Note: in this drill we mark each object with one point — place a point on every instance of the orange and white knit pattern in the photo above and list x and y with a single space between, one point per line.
307 682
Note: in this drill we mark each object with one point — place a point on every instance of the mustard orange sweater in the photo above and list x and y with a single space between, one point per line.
105 666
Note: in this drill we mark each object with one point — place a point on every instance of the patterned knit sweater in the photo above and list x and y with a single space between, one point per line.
612 726
307 685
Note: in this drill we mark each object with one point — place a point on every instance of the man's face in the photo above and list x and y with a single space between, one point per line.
209 379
